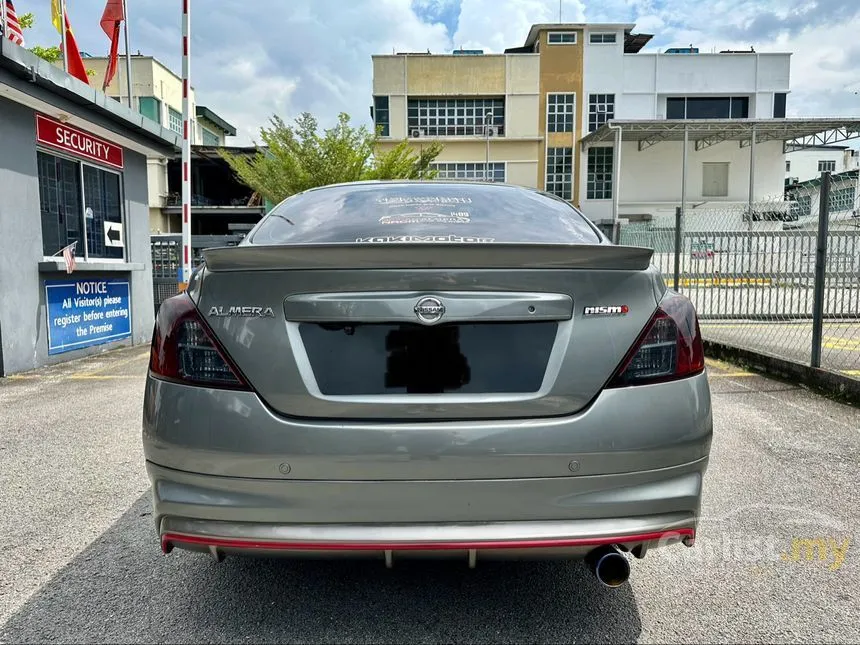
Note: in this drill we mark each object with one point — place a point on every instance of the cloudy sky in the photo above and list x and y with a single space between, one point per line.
255 58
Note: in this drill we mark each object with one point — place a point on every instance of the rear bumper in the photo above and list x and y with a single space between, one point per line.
527 518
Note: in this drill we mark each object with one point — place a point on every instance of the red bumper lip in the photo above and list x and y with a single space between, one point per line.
168 540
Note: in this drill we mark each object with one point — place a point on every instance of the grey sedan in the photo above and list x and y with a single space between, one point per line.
435 369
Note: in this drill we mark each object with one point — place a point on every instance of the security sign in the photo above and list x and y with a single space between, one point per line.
113 234
85 312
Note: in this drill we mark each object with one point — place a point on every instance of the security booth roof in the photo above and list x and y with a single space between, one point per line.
801 131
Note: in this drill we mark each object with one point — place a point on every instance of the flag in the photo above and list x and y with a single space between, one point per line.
12 26
73 56
111 18
69 256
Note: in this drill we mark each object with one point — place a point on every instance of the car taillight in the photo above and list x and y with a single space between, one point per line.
669 348
184 349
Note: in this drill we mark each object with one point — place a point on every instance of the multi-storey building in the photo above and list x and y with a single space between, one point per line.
541 115
157 95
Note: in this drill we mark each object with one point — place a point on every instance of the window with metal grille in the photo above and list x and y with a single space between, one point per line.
471 171
456 117
599 173
560 111
174 120
381 115
601 39
559 172
77 202
209 138
827 165
561 38
601 108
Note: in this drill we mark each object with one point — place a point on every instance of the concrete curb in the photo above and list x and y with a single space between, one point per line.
832 384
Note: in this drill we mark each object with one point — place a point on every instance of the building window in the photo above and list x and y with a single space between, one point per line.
602 39
779 105
150 107
827 165
209 138
471 171
560 110
599 173
174 120
601 108
559 172
455 117
716 107
77 201
715 179
561 38
787 166
381 115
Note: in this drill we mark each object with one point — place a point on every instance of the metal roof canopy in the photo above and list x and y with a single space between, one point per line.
794 133
707 132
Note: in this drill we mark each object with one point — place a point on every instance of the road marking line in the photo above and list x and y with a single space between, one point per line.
851 372
117 364
102 377
730 374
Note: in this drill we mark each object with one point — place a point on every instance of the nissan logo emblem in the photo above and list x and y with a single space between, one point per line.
429 310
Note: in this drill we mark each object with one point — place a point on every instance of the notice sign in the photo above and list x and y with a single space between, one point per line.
86 312
77 142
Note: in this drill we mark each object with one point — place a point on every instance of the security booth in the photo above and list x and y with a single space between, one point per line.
75 262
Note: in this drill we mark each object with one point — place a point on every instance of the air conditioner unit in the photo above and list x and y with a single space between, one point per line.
416 132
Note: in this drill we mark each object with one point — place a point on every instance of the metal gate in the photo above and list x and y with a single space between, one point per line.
167 260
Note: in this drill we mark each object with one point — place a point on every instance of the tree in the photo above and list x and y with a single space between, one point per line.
296 158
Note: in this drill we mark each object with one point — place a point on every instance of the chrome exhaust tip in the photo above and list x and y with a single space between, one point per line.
609 566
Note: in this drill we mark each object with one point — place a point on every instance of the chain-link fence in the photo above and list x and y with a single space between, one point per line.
781 277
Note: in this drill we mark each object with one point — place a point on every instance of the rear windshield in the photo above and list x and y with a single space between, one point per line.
423 212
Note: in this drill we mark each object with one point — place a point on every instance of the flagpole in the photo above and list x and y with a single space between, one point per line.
186 142
3 22
63 33
127 52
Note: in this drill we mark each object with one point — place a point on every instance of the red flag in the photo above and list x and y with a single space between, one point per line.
111 18
76 63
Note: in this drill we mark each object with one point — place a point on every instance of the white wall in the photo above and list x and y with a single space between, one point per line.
641 82
651 178
804 163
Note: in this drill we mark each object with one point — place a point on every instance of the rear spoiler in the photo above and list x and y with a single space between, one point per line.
427 256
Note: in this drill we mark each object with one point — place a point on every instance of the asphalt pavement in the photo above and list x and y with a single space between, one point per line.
81 563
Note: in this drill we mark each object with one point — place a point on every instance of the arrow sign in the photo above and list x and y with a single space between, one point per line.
113 234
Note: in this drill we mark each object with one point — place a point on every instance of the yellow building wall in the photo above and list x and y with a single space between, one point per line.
561 70
521 119
523 73
388 74
397 117
476 149
523 173
456 75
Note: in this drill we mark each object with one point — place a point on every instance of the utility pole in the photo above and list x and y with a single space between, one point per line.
186 142
487 126
127 52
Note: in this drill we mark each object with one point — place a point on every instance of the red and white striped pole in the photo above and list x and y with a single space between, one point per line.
186 142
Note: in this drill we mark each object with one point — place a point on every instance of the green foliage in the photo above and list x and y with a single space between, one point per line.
50 54
26 21
296 158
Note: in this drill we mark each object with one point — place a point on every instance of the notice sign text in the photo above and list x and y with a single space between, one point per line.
77 142
85 312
